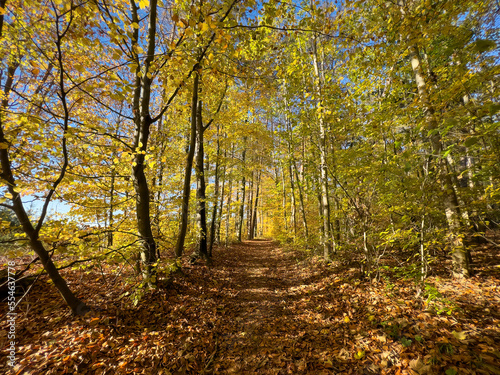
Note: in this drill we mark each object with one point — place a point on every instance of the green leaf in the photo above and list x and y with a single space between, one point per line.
432 132
494 108
471 141
406 342
483 45
451 371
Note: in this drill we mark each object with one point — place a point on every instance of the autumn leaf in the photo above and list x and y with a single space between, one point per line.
360 354
459 335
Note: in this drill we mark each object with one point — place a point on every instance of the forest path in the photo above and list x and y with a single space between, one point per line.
259 309
267 322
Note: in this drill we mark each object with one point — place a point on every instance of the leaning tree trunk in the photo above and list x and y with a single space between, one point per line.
77 306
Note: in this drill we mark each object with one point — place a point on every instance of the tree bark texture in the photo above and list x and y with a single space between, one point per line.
179 246
200 185
460 254
325 205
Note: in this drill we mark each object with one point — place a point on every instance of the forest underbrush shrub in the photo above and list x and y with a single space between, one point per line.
400 238
301 244
284 238
169 267
436 302
304 244
388 286
409 272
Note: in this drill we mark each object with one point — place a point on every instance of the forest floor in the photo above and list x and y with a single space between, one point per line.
261 309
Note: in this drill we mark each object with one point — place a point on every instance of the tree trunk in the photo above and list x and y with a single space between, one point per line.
321 221
242 206
283 190
179 246
201 186
157 183
293 214
250 207
143 122
228 213
325 205
221 206
111 208
460 254
301 199
213 222
253 224
230 194
76 305
148 251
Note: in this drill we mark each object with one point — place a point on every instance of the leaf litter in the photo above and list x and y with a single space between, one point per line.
261 310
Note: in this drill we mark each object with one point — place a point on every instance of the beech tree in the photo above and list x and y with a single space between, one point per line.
351 129
45 125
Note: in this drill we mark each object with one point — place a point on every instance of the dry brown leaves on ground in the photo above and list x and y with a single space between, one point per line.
261 310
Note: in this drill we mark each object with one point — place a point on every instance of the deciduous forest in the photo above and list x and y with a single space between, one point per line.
249 187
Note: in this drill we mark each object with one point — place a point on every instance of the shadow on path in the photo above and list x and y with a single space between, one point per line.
264 329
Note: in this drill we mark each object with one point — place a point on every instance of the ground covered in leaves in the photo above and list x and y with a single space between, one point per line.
262 310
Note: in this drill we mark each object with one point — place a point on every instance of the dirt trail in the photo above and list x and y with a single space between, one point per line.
258 310
265 334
